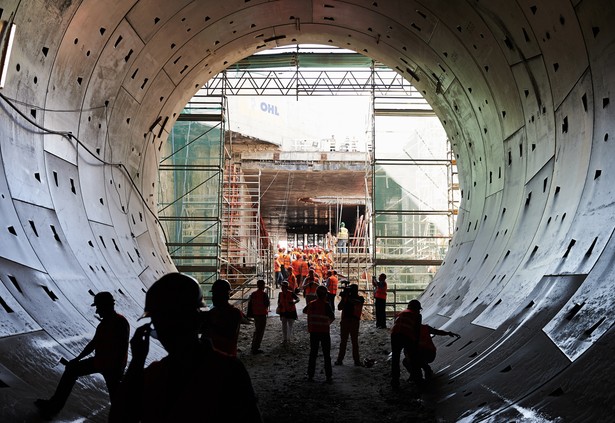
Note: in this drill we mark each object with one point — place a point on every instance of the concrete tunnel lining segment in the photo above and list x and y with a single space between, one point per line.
522 89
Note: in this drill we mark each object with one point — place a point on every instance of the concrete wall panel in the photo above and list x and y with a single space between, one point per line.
547 65
91 179
587 316
561 43
124 137
15 320
539 126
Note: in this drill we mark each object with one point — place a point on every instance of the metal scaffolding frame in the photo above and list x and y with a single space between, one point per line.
243 249
189 199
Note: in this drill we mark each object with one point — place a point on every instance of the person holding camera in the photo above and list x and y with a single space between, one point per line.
351 306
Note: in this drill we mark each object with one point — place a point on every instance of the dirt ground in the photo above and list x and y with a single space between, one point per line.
357 394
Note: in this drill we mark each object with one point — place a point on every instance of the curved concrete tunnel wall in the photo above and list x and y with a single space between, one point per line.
522 89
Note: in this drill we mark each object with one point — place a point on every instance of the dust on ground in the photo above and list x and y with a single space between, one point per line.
357 394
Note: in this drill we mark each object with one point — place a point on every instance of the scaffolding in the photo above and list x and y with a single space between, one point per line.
219 231
189 197
244 240
412 222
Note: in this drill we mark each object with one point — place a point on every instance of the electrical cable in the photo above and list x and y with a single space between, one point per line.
69 135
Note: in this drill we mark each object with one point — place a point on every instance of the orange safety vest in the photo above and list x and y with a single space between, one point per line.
381 292
318 320
292 282
310 288
276 265
286 301
286 260
259 303
425 341
297 265
333 285
407 323
224 321
304 268
324 268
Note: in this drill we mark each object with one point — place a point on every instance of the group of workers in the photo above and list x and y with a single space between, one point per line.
202 345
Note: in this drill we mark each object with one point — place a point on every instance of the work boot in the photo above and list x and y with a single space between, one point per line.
46 408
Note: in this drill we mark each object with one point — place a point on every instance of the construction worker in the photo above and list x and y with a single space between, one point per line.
351 306
297 266
405 336
277 270
258 308
285 261
427 349
292 281
192 383
320 316
332 283
318 270
380 300
287 311
310 284
110 348
342 238
221 323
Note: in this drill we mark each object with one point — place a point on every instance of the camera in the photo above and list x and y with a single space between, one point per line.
344 287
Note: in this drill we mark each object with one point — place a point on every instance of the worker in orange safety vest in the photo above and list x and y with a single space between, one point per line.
426 349
405 336
310 284
221 323
332 284
380 300
258 308
288 312
320 316
277 270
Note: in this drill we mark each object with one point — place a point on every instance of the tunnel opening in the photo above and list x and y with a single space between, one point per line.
390 121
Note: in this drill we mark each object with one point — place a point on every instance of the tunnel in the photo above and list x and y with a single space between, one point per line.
91 89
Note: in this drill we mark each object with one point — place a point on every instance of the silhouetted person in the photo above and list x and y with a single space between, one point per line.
193 383
426 350
351 306
405 336
221 323
320 315
380 300
287 311
258 308
110 348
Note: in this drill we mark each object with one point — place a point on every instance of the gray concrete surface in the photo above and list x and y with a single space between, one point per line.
522 87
